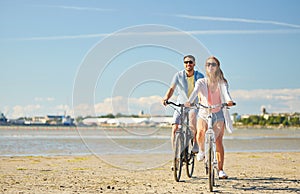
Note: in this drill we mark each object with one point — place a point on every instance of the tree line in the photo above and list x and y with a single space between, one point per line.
270 120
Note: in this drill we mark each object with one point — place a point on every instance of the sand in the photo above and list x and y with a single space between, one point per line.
248 173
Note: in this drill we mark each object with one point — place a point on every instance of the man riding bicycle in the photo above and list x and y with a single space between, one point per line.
185 80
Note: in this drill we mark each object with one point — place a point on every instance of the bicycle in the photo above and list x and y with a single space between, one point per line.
183 144
211 163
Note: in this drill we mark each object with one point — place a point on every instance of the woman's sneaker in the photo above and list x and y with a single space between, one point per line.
222 175
200 156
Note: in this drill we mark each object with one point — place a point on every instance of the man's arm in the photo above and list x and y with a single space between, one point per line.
169 94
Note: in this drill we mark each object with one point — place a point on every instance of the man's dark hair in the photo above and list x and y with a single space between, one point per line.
189 56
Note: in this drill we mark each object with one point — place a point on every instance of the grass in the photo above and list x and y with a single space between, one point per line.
78 159
21 168
79 169
254 156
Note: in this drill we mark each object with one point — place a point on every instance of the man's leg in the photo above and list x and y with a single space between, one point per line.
175 125
174 129
193 127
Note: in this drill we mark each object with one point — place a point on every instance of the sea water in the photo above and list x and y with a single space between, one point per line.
53 141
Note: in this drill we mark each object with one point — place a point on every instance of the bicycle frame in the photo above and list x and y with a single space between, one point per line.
183 141
211 162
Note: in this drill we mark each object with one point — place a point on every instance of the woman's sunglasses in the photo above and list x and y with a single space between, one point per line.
211 64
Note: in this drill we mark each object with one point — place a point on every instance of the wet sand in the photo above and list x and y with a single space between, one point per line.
248 173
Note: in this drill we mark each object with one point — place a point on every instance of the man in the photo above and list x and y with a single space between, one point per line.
185 80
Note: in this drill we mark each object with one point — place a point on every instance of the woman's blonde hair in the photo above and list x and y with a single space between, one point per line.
219 76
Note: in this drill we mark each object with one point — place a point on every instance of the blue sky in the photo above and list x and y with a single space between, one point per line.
43 45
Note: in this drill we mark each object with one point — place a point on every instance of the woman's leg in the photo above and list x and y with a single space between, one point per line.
201 129
219 133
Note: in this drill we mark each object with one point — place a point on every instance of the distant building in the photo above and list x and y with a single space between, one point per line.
47 120
39 120
95 121
59 120
127 121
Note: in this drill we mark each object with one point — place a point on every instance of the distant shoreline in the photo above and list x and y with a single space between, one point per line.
265 127
63 127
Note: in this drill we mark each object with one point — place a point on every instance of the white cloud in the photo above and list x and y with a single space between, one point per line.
168 33
47 99
119 104
77 8
240 20
292 28
267 94
248 101
82 8
83 110
63 37
63 109
275 100
36 110
28 110
241 32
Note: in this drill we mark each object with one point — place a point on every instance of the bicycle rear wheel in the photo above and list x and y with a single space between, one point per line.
178 156
211 173
190 159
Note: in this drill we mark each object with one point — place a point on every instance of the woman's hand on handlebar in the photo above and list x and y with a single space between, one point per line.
187 104
230 103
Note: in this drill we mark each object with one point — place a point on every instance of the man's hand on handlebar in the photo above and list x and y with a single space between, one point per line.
164 102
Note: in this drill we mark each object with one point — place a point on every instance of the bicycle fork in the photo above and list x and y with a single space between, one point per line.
210 145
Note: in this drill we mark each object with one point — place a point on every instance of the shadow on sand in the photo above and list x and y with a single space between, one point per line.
256 184
265 184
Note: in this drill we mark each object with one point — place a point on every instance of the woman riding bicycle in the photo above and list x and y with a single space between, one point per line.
213 90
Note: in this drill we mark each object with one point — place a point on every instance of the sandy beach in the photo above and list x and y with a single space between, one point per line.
248 173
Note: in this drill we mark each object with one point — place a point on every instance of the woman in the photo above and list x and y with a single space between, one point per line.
213 90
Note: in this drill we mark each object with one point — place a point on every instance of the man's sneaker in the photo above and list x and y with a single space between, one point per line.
222 175
200 156
195 148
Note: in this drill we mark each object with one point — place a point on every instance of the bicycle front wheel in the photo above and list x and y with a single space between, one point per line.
211 173
178 156
190 159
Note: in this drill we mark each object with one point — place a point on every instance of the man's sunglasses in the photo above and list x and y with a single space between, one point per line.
189 62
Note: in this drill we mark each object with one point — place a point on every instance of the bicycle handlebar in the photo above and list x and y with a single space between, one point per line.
197 105
214 106
170 102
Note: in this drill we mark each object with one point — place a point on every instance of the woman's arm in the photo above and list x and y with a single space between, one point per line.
226 94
